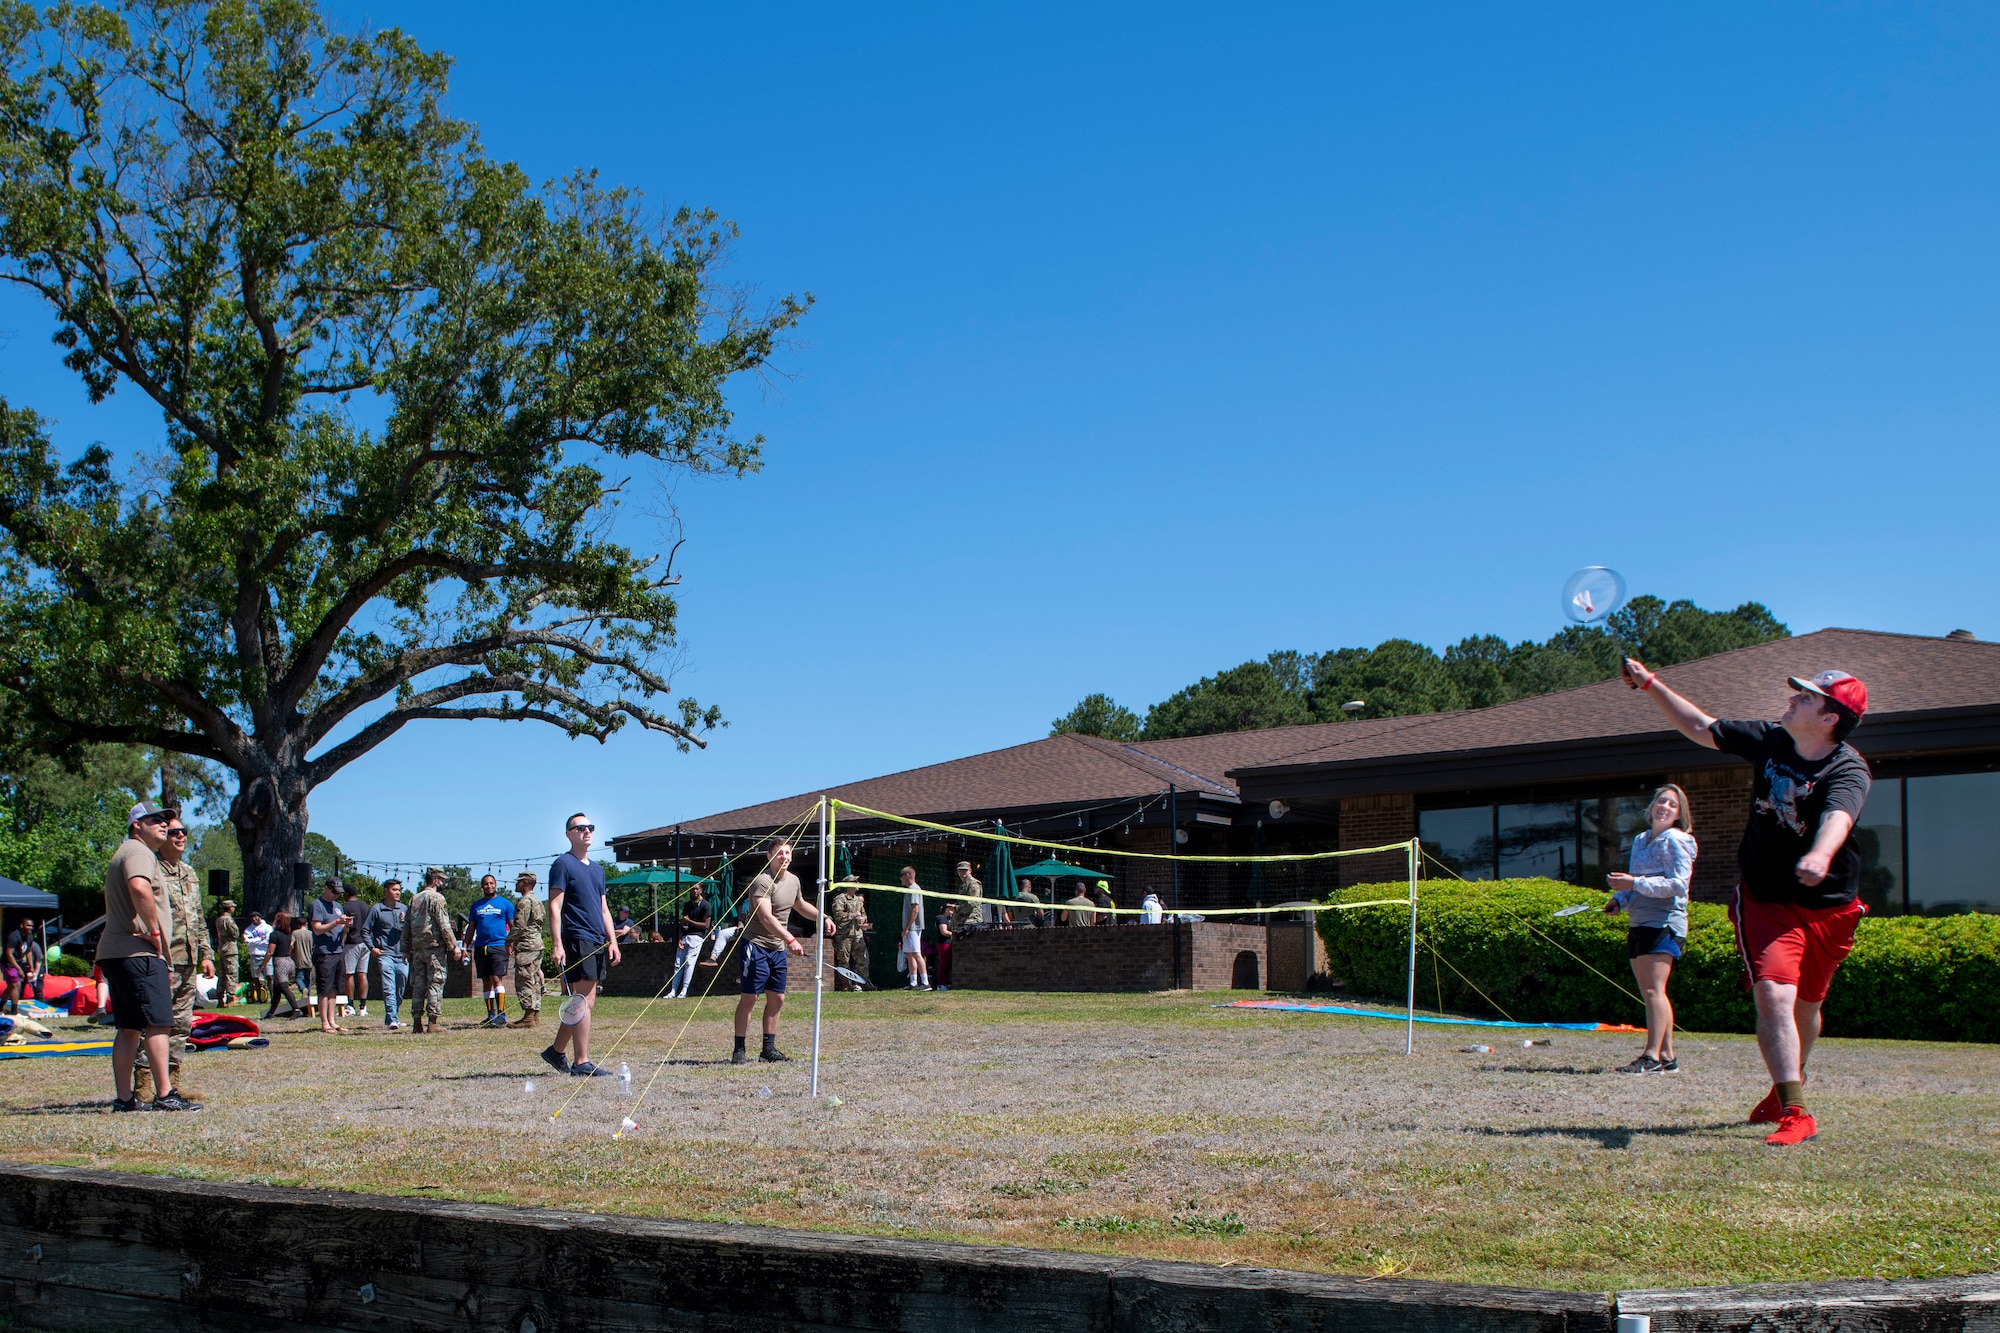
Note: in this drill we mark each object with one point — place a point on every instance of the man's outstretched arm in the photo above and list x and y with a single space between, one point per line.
1690 721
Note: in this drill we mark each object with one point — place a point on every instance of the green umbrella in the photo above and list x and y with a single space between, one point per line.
651 875
1000 881
1053 869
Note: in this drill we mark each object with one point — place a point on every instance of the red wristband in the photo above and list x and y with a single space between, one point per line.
1650 678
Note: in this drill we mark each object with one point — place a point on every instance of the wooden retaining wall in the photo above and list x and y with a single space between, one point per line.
104 1250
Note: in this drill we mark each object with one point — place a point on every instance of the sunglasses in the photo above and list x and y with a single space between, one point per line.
582 828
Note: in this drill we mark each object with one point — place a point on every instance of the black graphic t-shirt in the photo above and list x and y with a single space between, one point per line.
1789 799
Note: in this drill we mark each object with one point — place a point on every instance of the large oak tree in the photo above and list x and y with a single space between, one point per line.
396 379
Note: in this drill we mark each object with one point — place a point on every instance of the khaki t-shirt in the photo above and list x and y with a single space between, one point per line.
133 860
782 894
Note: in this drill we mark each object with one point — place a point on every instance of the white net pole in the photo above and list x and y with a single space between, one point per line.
819 932
1410 996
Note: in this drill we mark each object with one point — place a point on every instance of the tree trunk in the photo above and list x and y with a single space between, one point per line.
269 813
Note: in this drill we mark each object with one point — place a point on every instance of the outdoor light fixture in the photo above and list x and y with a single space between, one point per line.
1353 706
1279 809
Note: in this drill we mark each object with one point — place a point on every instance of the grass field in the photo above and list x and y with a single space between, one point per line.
1144 1125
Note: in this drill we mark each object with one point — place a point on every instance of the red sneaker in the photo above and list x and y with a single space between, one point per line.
1796 1127
1768 1111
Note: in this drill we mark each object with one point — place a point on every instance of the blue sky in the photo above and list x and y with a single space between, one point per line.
1151 339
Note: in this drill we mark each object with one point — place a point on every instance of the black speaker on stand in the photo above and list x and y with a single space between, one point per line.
302 886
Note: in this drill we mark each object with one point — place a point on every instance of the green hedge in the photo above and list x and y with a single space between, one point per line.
1919 978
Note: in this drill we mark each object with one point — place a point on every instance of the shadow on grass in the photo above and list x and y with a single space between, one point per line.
65 1108
1615 1137
1549 1069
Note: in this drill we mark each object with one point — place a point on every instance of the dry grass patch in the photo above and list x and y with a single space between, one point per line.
1151 1125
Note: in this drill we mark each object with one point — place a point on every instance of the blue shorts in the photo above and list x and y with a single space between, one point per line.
1642 940
763 970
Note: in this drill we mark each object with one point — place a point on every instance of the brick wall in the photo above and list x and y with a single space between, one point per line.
643 970
1719 801
1370 821
1211 956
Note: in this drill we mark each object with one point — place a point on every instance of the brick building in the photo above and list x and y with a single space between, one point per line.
1554 785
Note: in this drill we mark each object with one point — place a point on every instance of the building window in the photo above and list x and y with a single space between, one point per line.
1462 839
1538 840
1878 836
1950 822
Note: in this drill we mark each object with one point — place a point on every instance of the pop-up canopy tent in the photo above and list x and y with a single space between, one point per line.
19 896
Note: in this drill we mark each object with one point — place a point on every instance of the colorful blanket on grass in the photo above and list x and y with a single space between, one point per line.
1302 1007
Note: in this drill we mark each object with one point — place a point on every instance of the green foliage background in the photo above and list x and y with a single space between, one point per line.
1492 948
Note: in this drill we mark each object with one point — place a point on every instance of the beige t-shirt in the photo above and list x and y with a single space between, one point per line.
133 860
782 894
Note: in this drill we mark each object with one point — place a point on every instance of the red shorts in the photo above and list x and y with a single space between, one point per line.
1792 945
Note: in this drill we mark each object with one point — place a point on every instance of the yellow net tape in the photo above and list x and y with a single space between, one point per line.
956 832
1014 903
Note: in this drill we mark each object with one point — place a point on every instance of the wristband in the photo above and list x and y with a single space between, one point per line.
1651 676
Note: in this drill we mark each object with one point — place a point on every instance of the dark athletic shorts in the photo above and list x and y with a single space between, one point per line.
328 975
589 960
142 996
763 970
489 961
1793 945
1642 940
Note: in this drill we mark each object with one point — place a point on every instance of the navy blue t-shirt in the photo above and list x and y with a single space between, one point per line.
490 919
581 885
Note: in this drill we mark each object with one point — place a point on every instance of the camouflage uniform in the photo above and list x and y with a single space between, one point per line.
850 934
187 950
429 942
228 946
531 916
970 912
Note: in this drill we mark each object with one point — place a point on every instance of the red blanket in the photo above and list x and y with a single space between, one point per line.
211 1030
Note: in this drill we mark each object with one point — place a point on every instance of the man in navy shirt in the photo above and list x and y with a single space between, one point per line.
1798 871
584 948
492 918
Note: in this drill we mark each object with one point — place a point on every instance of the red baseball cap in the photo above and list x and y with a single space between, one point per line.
1838 686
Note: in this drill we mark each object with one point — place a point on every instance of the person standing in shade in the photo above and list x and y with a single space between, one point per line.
1798 896
1105 902
20 951
625 930
911 947
301 943
697 918
355 954
524 940
963 882
949 926
383 930
189 955
1029 905
1151 910
491 921
257 942
1654 895
283 970
1077 909
584 951
228 953
767 944
432 944
849 910
133 955
329 921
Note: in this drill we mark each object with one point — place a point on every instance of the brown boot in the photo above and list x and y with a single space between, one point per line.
531 1019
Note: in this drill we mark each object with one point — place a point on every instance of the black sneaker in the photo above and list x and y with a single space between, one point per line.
1672 1066
555 1060
588 1070
173 1101
772 1055
1645 1064
737 1057
131 1103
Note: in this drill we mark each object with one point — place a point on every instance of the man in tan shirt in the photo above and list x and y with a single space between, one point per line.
132 955
188 953
767 943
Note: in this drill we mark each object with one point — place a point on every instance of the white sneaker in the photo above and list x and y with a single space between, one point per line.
362 1012
347 1011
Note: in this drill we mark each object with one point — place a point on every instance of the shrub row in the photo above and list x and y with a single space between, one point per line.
1916 978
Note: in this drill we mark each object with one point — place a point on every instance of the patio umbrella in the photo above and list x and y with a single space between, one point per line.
1000 870
1053 869
651 877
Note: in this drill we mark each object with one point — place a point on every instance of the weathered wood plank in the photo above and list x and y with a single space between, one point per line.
1150 1297
1917 1305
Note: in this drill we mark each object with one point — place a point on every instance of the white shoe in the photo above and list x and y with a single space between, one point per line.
362 1012
347 1011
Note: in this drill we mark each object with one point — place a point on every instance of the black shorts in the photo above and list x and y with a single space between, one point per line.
142 992
489 961
328 976
1642 940
588 960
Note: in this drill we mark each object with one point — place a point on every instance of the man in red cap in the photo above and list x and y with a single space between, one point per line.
1799 873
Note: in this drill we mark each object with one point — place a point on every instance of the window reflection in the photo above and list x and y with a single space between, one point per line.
1608 826
1878 835
1461 839
1538 840
1950 824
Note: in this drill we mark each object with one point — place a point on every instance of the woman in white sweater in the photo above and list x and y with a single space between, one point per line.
1655 895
